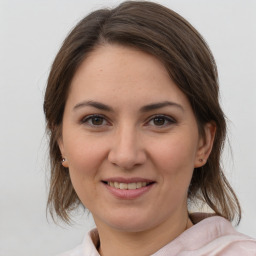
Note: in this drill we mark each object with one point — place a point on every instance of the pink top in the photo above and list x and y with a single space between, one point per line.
212 236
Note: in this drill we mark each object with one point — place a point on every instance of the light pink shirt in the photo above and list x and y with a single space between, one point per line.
213 236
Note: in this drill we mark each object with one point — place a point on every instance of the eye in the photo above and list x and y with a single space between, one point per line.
161 121
95 120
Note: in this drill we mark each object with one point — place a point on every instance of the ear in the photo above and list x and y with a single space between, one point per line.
205 144
64 161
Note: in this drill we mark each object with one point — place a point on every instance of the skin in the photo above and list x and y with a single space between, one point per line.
128 141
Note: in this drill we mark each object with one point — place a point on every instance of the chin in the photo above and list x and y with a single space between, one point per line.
130 222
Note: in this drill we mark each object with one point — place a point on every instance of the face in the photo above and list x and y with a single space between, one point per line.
130 140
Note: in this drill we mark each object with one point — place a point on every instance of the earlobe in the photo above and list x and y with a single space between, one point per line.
205 144
64 160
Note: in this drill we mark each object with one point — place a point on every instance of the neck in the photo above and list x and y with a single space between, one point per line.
116 242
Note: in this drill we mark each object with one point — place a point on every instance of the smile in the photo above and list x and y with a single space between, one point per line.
132 188
127 186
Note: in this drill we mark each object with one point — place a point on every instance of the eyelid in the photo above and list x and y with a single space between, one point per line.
168 118
85 120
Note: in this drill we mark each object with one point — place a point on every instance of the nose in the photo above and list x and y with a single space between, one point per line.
127 149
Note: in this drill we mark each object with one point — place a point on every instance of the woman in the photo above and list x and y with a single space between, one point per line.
136 132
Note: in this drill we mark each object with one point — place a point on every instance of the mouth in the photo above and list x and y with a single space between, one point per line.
128 185
128 189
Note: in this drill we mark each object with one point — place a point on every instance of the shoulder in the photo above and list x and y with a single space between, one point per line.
219 237
211 235
236 247
228 245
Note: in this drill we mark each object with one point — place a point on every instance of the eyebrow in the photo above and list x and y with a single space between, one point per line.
94 104
158 105
146 108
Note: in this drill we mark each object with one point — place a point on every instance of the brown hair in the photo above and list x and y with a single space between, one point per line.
161 32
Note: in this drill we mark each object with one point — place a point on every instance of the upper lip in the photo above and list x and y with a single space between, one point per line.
128 180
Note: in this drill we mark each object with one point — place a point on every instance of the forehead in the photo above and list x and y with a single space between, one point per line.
119 61
113 71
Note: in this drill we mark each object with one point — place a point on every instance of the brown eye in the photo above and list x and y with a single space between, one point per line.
159 121
94 120
97 120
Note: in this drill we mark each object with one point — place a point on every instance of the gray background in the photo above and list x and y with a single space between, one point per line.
31 32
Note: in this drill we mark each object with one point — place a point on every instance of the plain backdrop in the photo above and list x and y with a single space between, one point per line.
31 33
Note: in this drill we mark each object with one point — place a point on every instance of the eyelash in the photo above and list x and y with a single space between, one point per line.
167 120
88 119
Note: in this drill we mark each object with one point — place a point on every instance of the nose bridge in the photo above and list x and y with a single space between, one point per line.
126 150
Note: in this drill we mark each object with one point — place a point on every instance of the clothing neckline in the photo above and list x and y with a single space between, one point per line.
216 226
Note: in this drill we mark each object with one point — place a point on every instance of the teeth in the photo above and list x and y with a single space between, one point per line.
129 186
116 184
123 186
132 185
138 184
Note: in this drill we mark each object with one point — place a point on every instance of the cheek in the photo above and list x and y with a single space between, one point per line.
177 152
174 158
84 153
84 159
83 169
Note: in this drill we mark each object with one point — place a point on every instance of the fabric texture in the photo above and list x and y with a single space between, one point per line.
212 236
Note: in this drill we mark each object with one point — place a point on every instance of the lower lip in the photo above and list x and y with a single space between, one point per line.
128 193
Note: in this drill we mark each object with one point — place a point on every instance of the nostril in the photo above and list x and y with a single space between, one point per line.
127 160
